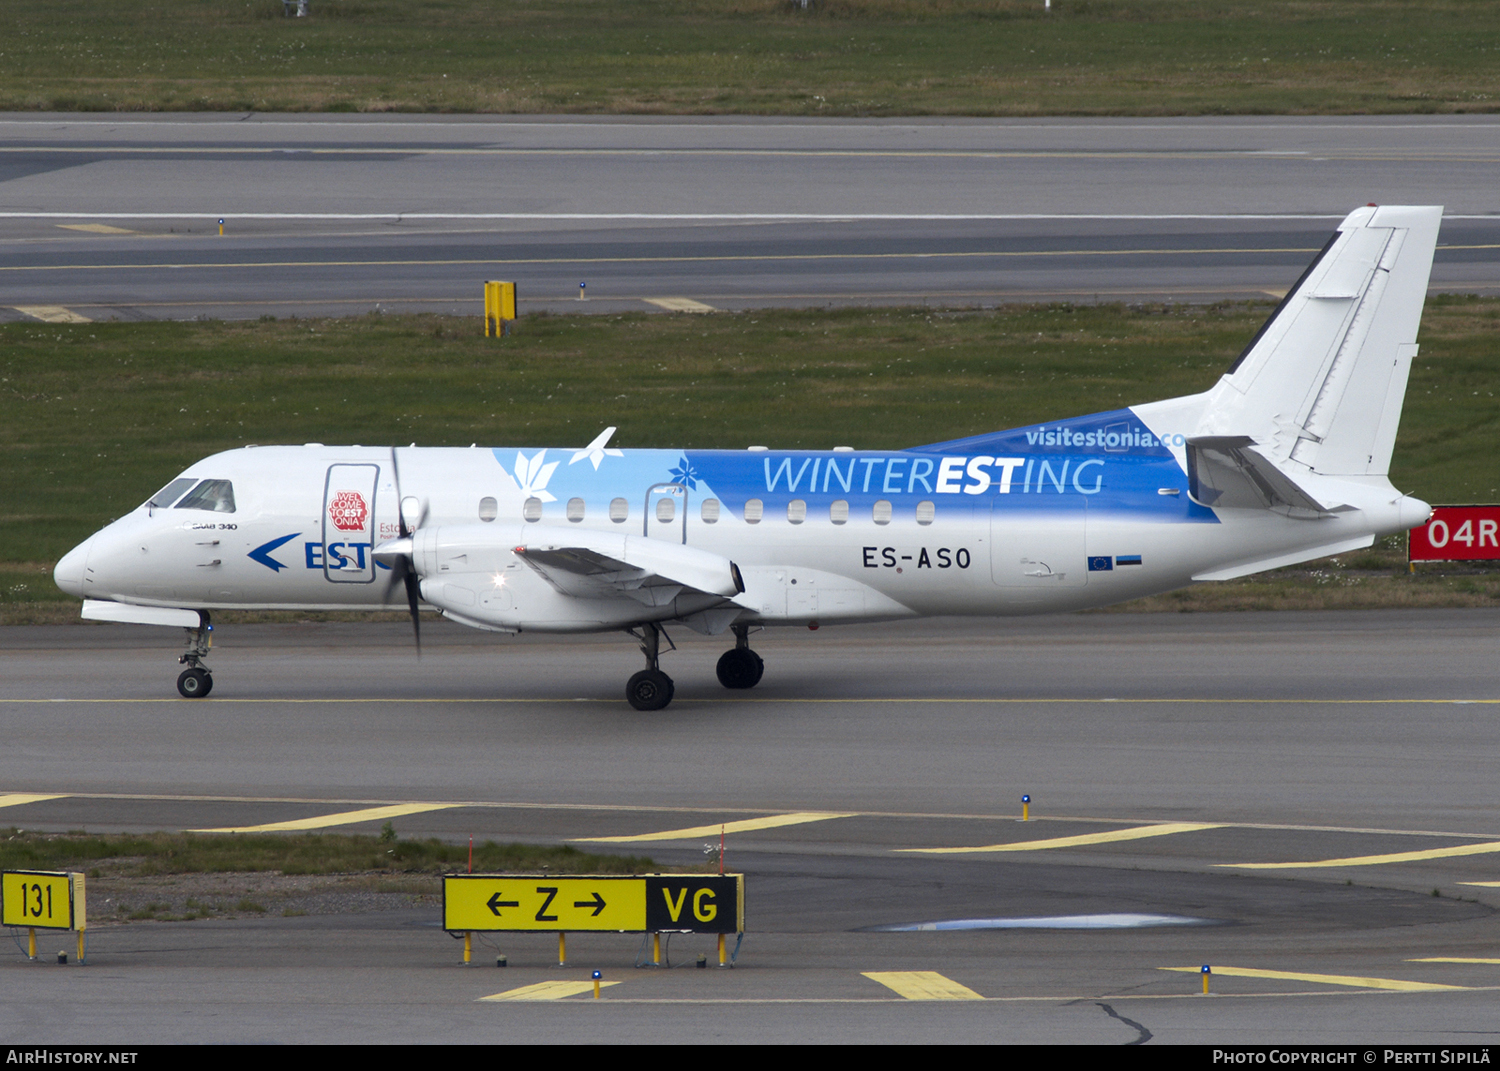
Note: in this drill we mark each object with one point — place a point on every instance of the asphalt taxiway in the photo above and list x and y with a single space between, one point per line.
118 216
1307 798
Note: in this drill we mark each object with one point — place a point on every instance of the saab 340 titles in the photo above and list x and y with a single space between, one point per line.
1283 460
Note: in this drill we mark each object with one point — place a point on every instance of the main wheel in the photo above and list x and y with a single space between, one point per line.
194 683
740 667
650 689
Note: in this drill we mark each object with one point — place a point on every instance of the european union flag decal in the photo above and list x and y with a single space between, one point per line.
1101 564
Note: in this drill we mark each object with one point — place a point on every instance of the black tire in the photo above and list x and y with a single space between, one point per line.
650 689
740 667
194 684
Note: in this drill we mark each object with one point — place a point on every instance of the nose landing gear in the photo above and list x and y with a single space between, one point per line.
650 689
740 667
196 681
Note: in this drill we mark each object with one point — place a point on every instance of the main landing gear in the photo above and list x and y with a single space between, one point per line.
740 667
651 689
196 682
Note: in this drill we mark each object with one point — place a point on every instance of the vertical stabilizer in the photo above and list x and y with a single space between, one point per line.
1321 385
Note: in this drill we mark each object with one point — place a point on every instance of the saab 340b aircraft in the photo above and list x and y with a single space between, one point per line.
1283 460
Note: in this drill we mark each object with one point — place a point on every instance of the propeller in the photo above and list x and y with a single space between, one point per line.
398 553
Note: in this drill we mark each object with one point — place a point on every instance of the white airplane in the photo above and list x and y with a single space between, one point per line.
1283 460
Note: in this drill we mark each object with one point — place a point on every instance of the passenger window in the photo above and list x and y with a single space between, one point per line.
710 511
838 512
489 509
575 510
666 509
531 509
171 493
925 512
753 510
796 511
882 512
216 495
619 510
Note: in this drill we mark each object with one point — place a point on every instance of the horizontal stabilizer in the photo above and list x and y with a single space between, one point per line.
1231 471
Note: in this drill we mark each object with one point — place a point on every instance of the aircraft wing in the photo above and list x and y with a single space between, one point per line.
651 571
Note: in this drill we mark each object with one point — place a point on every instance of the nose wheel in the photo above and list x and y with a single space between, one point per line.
196 681
740 667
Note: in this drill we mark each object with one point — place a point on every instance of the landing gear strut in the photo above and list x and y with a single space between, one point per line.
650 689
740 667
196 682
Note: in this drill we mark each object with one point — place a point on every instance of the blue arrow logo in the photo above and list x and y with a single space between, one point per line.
262 553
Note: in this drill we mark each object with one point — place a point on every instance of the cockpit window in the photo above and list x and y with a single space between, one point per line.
216 495
170 493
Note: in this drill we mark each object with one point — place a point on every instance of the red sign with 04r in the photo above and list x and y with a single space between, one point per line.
1457 533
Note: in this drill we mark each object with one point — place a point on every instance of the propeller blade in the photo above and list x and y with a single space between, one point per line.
413 593
399 556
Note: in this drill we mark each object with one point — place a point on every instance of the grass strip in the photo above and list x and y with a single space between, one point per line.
100 415
769 57
138 855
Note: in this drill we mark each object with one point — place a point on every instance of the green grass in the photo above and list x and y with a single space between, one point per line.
155 854
841 57
98 416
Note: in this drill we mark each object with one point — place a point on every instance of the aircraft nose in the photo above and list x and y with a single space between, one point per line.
69 572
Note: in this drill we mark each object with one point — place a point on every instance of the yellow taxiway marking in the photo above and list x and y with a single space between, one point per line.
546 991
632 808
1135 833
52 314
679 304
369 814
1455 959
15 799
1486 848
1327 979
922 985
1482 884
94 228
691 832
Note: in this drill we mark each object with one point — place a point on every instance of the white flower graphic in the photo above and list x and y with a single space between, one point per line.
532 474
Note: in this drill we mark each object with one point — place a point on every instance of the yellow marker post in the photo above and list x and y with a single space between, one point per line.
1206 973
721 950
597 976
656 950
499 308
468 947
221 228
1026 807
562 950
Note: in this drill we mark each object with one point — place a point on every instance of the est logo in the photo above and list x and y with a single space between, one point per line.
348 511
